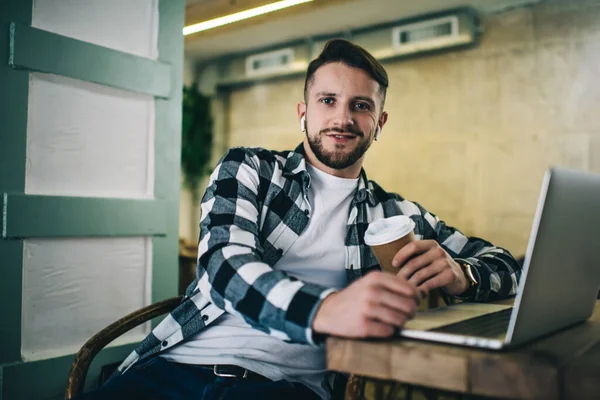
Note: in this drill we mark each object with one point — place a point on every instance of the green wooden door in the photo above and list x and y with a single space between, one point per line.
43 225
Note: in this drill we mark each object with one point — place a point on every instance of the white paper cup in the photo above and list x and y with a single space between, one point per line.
387 236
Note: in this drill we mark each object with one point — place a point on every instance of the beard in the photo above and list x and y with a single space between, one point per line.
339 159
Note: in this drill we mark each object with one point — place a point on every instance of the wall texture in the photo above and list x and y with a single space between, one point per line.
470 133
74 127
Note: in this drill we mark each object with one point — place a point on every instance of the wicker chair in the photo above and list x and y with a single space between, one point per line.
76 381
88 351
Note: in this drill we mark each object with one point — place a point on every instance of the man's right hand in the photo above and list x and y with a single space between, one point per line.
373 306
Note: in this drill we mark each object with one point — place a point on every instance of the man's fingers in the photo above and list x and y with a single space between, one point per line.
421 261
378 329
437 281
416 263
427 272
410 250
404 305
393 284
387 315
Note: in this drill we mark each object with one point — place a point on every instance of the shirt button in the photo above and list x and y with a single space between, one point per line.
279 252
165 343
306 212
205 318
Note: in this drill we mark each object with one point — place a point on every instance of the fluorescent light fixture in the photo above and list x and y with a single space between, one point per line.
239 16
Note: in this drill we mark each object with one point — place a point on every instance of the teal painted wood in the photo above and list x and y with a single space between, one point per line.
47 379
50 375
14 94
39 50
33 216
168 151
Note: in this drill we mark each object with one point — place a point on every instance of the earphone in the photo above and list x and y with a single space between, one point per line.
377 132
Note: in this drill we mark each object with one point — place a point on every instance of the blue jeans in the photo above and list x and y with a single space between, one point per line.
157 378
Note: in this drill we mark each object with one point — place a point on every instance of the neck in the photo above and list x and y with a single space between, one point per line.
351 172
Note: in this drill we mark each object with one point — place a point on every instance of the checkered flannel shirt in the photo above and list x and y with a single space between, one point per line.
255 207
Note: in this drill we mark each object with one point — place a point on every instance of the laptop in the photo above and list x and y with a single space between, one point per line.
559 282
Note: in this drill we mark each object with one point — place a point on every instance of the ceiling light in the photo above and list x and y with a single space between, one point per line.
239 16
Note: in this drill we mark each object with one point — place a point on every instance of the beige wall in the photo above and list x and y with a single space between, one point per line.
186 204
470 133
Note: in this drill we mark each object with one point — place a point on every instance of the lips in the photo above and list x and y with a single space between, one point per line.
341 136
341 139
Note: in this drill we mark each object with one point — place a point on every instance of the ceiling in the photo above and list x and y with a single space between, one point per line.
319 17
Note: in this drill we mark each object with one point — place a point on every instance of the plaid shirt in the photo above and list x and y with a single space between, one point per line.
255 207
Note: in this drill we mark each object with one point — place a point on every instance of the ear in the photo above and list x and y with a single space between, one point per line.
301 109
382 120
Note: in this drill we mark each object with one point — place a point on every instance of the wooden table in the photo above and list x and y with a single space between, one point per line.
565 365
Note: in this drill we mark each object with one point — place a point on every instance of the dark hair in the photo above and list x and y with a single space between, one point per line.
339 50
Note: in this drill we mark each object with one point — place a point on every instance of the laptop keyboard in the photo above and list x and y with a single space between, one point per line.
488 325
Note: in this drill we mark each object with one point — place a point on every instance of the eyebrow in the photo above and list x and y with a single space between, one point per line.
361 98
325 94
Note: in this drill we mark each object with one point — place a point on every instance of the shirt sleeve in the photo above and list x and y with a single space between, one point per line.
496 270
231 272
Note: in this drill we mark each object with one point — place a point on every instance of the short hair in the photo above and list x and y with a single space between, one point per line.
352 55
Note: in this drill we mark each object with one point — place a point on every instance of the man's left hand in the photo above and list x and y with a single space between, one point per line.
427 265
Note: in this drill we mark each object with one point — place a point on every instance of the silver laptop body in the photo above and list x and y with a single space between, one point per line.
561 271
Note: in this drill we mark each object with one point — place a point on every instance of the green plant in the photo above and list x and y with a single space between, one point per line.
196 138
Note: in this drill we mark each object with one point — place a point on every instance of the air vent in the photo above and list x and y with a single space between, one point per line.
420 35
270 62
425 32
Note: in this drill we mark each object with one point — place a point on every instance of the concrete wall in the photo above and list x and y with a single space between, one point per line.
470 133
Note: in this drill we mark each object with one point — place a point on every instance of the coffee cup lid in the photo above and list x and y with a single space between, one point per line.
387 230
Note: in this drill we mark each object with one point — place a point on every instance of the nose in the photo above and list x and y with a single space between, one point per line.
342 118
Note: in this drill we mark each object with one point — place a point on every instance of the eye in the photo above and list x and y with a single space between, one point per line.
362 106
327 100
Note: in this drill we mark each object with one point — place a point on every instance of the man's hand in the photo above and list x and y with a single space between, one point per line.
425 264
373 306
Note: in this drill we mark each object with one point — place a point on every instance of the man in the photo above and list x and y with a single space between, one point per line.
282 259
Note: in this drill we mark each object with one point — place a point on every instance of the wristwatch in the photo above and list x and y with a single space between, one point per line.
467 269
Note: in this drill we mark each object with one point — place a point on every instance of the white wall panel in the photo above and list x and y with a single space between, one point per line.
86 139
130 26
72 288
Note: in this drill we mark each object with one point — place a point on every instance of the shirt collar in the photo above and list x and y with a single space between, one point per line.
295 165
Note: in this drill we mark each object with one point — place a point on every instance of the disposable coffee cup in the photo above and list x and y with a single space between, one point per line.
387 236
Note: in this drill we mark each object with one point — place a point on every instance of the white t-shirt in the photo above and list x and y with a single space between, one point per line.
317 256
